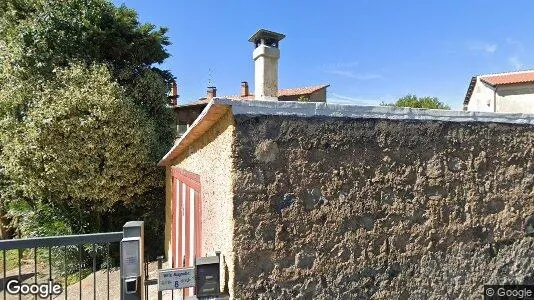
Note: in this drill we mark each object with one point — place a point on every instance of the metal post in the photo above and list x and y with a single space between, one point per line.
160 265
132 261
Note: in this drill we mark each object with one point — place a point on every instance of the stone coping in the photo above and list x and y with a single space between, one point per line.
310 109
218 106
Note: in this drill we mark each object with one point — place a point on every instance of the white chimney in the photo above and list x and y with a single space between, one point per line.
266 55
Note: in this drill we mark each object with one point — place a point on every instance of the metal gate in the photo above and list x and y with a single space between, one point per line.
34 267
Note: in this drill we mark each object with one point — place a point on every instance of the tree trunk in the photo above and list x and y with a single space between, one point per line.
99 220
6 232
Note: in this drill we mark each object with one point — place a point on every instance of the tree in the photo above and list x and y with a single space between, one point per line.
40 35
79 76
303 99
415 102
80 140
37 36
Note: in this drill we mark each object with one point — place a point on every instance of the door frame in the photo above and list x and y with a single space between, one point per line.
192 182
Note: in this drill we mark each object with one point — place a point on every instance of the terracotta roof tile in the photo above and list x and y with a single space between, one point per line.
281 93
510 78
239 97
306 90
301 90
500 79
200 101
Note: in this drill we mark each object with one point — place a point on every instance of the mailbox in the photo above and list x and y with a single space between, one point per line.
132 285
208 276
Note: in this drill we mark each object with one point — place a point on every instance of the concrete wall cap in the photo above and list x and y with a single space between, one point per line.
311 109
292 108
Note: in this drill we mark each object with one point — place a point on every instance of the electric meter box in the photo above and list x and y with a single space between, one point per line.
208 276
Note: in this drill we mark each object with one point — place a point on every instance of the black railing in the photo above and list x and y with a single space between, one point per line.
153 281
69 243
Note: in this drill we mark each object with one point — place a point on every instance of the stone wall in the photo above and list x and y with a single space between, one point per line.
366 208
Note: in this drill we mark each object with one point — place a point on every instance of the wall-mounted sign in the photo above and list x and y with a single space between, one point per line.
171 279
130 257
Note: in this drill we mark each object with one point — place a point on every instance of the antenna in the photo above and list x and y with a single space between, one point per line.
210 77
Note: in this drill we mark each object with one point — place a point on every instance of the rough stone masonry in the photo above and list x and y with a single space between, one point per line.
385 209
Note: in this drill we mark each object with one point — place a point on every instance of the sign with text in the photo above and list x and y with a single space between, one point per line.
130 257
172 279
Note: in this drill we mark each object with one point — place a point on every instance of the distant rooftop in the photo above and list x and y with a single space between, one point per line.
509 78
300 91
499 79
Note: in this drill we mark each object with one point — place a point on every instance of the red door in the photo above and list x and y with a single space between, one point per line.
186 216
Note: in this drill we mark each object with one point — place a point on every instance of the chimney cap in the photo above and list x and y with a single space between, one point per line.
267 35
212 92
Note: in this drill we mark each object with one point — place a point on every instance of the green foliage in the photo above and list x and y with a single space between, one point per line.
303 99
148 91
75 277
79 139
39 219
47 219
12 259
147 207
40 35
413 101
83 118
5 227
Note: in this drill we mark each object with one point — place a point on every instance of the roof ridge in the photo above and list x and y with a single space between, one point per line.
307 87
301 90
506 73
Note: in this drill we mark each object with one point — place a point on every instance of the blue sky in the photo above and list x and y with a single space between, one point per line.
368 51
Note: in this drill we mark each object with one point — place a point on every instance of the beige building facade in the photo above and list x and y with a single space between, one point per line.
504 92
201 166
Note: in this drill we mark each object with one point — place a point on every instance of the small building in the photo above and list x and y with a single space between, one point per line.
511 92
320 201
266 83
